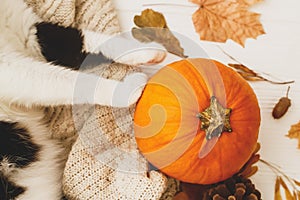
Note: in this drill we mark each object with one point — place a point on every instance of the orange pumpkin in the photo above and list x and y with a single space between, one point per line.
197 121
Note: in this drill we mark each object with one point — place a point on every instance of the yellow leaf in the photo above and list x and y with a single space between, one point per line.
277 195
296 182
249 2
294 132
296 195
257 148
219 20
287 192
152 27
250 171
150 18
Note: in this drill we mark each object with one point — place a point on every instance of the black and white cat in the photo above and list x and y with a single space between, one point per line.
30 165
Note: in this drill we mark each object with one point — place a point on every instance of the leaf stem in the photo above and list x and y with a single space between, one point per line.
275 82
227 54
254 73
287 92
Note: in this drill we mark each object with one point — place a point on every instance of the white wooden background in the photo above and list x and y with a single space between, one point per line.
277 53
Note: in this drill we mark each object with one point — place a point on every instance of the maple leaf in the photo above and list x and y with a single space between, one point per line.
219 20
248 3
294 132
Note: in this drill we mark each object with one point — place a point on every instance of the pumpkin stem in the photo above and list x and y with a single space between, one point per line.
215 119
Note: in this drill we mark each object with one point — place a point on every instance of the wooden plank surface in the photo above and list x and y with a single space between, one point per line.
276 53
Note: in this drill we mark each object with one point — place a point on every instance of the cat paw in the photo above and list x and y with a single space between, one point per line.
128 91
120 93
143 57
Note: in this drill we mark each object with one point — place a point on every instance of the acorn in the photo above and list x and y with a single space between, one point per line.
282 106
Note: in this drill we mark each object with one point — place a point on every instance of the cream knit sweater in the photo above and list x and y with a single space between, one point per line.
104 161
94 15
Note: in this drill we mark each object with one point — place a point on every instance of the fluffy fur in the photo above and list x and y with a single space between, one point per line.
35 82
39 177
27 82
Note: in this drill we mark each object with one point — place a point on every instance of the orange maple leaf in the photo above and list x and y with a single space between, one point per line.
294 132
219 20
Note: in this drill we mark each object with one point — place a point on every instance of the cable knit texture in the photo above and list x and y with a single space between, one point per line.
94 15
104 161
56 11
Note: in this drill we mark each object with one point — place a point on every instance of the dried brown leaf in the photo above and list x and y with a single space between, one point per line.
152 27
243 68
254 159
287 192
250 75
296 182
249 2
219 20
294 132
250 171
277 194
150 18
257 148
181 196
143 35
295 195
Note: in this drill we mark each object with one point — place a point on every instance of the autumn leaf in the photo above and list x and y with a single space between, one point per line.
294 132
219 20
249 2
287 192
150 18
152 27
249 74
277 194
245 72
297 182
181 196
282 182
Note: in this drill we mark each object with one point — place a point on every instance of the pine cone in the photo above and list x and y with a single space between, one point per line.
235 188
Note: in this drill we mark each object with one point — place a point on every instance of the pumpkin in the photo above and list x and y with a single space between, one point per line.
197 121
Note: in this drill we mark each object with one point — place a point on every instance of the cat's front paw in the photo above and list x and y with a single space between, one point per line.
120 93
143 57
128 91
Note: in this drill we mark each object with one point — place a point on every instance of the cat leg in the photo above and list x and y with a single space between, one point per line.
17 30
33 161
29 82
122 49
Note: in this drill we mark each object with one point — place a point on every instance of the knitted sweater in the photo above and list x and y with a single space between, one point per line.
94 15
104 161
